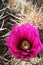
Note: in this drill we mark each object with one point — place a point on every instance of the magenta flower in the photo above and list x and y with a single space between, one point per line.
24 41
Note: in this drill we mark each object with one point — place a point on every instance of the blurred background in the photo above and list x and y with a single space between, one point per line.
19 11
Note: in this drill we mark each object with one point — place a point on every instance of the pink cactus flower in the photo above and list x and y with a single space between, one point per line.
24 41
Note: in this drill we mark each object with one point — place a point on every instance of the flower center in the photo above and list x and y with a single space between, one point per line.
25 45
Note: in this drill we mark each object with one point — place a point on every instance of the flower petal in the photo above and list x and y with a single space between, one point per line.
17 55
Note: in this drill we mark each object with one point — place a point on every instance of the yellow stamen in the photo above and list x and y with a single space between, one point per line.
25 45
